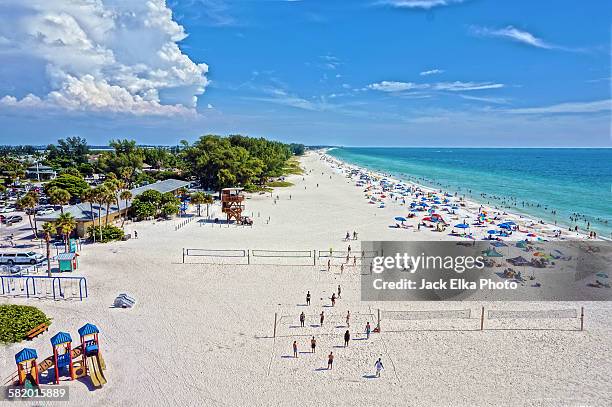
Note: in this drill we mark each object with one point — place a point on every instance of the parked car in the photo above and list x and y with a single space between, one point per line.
45 211
21 258
7 209
11 219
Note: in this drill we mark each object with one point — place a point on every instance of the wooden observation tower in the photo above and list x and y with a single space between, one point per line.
231 203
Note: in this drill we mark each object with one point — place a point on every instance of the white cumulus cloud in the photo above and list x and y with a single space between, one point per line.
102 55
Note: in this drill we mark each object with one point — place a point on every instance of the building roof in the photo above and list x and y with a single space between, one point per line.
82 211
65 256
164 186
25 354
60 337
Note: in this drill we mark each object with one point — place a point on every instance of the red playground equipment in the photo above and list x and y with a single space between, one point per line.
27 369
83 360
62 340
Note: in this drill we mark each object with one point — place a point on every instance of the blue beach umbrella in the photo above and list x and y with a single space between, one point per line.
400 219
492 231
462 225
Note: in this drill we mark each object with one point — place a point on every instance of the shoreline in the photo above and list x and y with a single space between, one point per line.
471 203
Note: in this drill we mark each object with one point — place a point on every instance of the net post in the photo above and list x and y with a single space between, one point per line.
581 318
249 262
183 255
378 320
314 257
482 319
274 335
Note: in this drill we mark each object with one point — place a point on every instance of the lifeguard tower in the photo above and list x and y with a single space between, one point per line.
231 203
62 341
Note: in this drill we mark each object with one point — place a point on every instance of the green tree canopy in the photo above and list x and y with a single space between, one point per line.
75 185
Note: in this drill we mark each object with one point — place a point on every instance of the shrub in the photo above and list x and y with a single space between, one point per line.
17 320
279 184
142 210
109 233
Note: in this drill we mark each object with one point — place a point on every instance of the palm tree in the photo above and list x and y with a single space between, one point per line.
66 224
27 203
112 185
89 195
197 198
99 196
125 195
49 229
59 196
208 200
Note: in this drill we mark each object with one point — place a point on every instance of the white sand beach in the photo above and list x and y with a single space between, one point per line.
202 334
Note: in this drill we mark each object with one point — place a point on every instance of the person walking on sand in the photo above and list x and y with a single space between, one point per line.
348 319
308 298
295 350
354 235
347 237
354 261
333 299
379 366
347 338
349 249
302 319
322 318
341 268
328 264
339 292
313 345
367 330
330 361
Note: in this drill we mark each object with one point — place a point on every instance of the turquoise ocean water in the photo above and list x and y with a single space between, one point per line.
569 186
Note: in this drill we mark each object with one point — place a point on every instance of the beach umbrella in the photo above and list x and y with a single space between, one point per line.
462 225
400 219
492 253
504 226
492 231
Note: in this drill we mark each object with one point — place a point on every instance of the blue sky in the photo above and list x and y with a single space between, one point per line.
360 73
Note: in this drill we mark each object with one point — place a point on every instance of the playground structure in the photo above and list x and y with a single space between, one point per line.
231 203
58 288
82 360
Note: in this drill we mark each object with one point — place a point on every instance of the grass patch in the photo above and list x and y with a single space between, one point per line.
292 166
17 320
279 184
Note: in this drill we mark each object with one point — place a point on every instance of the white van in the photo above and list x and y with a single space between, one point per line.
21 258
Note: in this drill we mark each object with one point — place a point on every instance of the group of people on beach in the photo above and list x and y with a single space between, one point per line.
347 333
